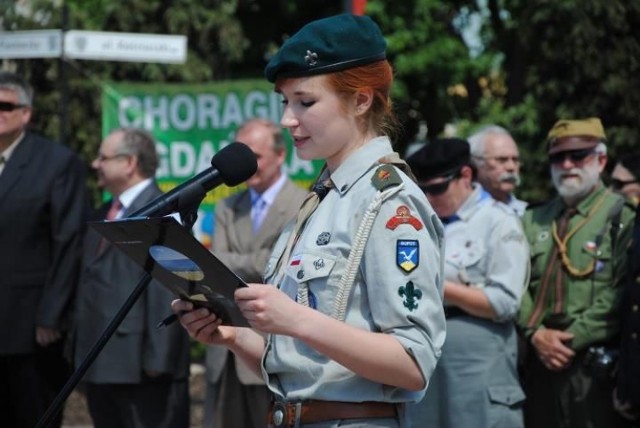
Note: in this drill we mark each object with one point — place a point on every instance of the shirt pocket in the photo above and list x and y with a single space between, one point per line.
466 260
314 269
602 259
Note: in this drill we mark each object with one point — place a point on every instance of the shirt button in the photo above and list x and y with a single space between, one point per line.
634 336
634 308
300 274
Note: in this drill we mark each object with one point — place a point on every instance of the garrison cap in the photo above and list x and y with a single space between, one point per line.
327 45
439 158
575 135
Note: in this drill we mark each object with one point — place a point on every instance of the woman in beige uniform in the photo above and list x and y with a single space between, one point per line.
352 305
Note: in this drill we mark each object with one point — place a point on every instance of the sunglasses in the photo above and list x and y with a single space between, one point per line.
436 189
617 184
575 156
6 106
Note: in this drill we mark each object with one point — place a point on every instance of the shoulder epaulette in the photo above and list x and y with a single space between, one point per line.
386 176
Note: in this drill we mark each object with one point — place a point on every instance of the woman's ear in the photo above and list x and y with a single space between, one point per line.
364 99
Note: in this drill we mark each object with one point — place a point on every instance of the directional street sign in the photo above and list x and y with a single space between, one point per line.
31 44
134 47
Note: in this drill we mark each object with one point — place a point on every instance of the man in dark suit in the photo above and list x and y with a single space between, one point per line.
43 207
247 226
140 379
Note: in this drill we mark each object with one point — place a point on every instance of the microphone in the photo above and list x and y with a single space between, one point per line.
232 165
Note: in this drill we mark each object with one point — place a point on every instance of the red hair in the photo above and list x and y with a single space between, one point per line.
377 77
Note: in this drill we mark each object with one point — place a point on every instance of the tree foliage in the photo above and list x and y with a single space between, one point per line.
459 63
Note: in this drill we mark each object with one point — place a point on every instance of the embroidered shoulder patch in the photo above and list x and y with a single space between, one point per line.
513 236
411 295
407 254
403 216
385 176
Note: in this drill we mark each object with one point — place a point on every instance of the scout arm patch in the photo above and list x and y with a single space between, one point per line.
385 176
407 254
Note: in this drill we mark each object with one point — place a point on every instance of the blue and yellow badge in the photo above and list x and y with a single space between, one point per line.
407 254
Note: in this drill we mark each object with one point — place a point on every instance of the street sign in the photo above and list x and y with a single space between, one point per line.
31 44
134 47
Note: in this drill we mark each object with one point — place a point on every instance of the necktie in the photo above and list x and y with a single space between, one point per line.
114 209
258 212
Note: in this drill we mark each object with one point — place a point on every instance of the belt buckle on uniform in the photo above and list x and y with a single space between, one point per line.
283 415
279 414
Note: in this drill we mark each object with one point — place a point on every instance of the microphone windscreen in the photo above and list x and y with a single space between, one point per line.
236 163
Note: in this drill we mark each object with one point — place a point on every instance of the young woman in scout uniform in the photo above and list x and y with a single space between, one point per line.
354 323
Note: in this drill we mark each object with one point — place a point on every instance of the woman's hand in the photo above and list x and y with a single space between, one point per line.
202 324
269 310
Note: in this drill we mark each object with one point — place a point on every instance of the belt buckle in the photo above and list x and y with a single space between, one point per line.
279 415
283 414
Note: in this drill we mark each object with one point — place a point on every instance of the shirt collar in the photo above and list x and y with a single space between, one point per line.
12 147
269 195
468 207
128 196
586 204
359 162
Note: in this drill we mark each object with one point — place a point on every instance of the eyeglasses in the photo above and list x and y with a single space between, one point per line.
103 158
575 156
617 184
7 106
501 159
439 188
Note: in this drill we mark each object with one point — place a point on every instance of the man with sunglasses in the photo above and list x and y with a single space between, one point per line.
569 316
43 208
625 177
486 269
495 155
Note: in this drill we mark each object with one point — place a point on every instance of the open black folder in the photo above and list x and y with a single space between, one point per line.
170 254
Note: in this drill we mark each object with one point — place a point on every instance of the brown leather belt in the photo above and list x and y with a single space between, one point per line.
287 414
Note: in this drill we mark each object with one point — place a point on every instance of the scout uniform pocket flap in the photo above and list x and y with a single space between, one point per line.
307 266
508 395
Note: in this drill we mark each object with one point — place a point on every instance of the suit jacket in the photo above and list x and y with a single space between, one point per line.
108 278
246 254
43 210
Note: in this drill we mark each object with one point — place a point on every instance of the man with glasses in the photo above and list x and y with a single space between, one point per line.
486 269
495 155
140 378
625 177
43 208
569 316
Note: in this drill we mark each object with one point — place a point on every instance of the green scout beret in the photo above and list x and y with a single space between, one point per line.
439 158
328 45
575 134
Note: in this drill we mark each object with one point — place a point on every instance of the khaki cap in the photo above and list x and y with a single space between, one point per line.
575 134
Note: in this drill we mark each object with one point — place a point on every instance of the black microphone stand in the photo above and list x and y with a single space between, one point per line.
188 216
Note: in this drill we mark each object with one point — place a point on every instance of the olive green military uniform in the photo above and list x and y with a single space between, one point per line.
580 296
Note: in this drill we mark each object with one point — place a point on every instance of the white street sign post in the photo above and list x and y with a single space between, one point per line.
133 47
31 44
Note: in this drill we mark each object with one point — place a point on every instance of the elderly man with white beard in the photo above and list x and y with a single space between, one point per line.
569 314
495 155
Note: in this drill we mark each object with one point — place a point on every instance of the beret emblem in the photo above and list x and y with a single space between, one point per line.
311 58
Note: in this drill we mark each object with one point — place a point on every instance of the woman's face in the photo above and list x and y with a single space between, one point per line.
321 123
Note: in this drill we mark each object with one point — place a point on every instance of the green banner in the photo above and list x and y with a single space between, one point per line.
191 123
